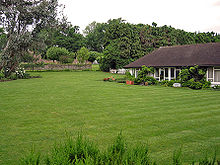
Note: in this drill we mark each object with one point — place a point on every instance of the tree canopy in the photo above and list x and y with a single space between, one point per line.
34 25
124 42
20 19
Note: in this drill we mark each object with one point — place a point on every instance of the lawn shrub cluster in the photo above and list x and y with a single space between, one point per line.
150 80
194 78
82 151
168 83
18 74
216 87
60 54
143 76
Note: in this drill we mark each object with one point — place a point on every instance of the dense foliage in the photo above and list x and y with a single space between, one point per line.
113 44
82 55
56 53
194 77
68 37
143 75
83 152
122 42
3 39
20 20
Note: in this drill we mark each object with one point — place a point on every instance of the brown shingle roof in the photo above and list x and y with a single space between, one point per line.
181 55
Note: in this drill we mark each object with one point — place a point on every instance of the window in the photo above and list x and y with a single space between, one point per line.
161 74
172 73
217 76
166 72
210 72
157 72
177 73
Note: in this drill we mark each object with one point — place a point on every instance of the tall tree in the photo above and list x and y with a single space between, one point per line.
20 19
68 37
94 36
3 40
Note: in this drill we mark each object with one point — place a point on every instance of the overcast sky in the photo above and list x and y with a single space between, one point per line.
189 15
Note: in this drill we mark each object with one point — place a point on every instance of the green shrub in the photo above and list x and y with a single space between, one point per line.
168 83
82 151
82 55
209 161
130 77
31 159
2 75
93 55
18 74
142 76
13 76
165 83
150 80
206 84
66 59
194 77
194 85
27 58
138 155
216 87
21 74
177 157
73 152
104 65
54 53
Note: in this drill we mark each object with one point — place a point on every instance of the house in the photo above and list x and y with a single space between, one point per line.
168 61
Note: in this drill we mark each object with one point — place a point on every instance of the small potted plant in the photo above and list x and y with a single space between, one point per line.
129 78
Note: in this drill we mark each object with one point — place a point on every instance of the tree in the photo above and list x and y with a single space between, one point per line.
94 36
122 45
20 19
122 42
3 39
82 55
68 37
93 55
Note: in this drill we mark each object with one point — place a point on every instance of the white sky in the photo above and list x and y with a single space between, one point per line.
189 15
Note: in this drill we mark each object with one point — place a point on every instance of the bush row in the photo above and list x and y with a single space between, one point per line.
18 74
192 77
82 151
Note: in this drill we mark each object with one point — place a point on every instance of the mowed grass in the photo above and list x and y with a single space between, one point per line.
39 112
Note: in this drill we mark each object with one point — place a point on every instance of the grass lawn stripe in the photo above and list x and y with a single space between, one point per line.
39 112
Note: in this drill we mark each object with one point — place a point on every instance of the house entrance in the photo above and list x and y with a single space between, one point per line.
161 74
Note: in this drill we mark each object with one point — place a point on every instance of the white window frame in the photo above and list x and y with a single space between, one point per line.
215 69
207 74
157 78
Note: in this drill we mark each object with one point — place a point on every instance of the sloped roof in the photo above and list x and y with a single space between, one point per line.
181 55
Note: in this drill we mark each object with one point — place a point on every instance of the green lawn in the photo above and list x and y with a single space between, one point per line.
40 111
